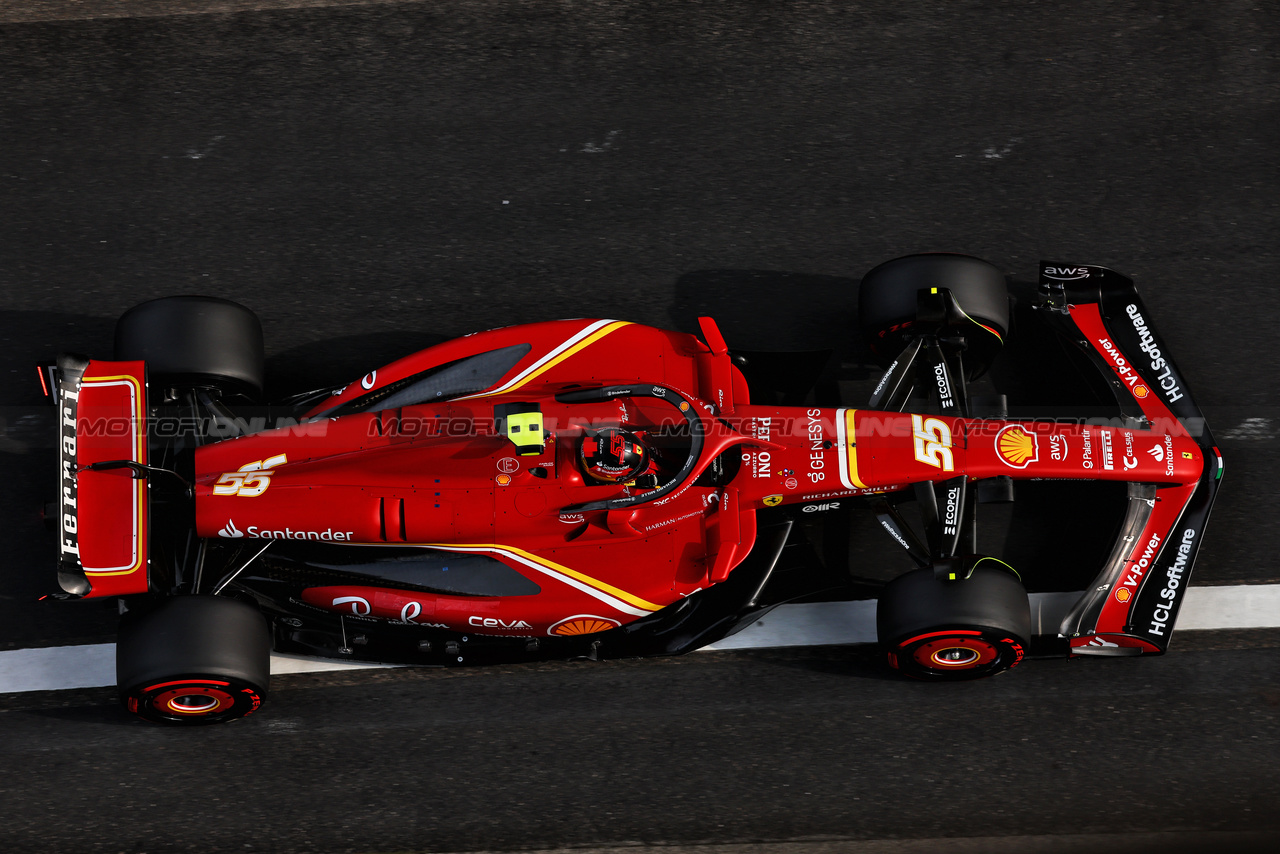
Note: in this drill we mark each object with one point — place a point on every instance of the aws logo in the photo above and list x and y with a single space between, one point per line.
1066 274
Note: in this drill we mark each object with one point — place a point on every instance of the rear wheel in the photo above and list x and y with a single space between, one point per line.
195 341
952 630
193 660
887 302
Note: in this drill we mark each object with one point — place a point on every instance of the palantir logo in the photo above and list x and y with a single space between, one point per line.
230 531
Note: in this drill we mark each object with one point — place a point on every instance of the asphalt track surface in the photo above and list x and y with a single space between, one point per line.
374 178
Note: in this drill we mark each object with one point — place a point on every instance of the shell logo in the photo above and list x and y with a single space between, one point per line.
584 624
1122 595
1140 391
1016 447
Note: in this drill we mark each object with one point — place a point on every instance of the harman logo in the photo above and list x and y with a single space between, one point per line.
230 530
1016 447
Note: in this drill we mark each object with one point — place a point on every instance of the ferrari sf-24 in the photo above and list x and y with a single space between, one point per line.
598 489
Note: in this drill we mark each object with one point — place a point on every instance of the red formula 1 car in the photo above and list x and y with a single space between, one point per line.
598 488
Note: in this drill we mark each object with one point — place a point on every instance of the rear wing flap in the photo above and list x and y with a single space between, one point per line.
103 514
1133 603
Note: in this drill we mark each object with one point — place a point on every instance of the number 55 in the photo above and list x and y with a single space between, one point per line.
251 480
932 440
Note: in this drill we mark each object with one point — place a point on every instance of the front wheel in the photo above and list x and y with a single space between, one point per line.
952 630
193 660
887 302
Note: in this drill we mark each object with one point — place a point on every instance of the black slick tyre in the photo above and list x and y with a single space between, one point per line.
195 341
954 630
193 660
887 300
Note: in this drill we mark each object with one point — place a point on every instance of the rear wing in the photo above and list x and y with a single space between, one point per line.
103 513
1133 603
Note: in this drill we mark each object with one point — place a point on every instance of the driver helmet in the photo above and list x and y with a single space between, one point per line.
612 455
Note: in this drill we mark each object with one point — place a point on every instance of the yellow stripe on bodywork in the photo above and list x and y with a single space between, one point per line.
555 568
851 447
552 362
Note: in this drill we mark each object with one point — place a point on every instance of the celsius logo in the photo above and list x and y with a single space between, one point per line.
230 531
1064 274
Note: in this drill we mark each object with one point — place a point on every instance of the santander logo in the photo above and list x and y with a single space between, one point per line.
230 530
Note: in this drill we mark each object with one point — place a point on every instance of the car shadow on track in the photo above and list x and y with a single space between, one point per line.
861 661
769 309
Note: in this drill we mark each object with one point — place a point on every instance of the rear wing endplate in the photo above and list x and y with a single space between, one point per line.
103 515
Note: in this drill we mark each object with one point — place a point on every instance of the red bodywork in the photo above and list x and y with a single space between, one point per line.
440 476
104 515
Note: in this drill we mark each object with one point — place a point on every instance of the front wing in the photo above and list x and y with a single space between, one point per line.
1133 603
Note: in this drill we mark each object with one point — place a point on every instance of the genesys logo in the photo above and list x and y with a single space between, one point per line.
230 531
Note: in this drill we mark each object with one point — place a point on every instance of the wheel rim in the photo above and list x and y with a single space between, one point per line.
954 653
191 699
193 704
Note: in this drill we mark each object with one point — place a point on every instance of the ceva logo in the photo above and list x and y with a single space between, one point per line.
230 531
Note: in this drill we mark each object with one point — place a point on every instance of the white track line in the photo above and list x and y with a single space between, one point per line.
817 624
